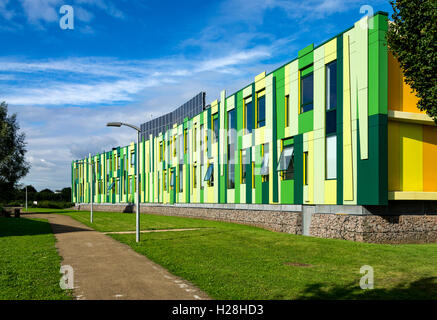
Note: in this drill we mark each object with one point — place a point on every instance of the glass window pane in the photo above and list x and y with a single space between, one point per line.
216 128
331 157
265 165
209 172
307 89
261 112
331 85
181 178
249 111
285 158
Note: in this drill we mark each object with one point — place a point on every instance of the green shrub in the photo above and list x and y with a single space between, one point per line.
52 204
15 204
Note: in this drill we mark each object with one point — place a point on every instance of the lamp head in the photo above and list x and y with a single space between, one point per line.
114 124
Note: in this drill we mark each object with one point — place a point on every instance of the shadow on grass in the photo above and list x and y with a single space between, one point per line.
27 227
422 289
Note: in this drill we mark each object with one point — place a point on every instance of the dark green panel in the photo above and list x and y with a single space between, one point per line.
274 146
372 173
340 119
249 179
298 169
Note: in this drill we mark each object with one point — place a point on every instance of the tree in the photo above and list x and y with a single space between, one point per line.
66 194
412 39
13 165
30 189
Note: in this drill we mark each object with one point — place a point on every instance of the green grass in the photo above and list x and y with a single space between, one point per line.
104 221
29 262
231 261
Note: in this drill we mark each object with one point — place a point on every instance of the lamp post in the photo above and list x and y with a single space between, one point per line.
26 198
92 185
137 162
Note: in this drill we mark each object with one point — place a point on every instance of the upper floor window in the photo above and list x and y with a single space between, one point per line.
247 118
185 140
331 85
261 109
215 127
306 91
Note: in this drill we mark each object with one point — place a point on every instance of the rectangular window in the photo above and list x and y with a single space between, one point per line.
244 161
129 185
181 178
201 144
202 171
132 158
164 180
305 168
287 111
181 148
209 176
117 184
231 148
286 163
185 140
331 85
195 139
172 179
306 92
331 157
247 108
215 127
194 176
261 109
265 162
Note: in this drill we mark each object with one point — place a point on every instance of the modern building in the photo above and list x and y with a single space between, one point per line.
334 131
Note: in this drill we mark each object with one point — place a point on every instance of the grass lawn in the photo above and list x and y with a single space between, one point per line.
231 261
29 262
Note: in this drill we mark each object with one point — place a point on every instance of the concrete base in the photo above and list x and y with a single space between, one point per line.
355 224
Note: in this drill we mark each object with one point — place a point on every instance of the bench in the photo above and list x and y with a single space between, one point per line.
7 211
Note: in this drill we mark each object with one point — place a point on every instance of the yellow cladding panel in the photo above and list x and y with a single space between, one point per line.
311 167
214 106
330 191
429 158
287 79
411 195
394 157
411 156
348 192
260 81
330 51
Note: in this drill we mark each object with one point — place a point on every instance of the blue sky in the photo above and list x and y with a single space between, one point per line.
133 60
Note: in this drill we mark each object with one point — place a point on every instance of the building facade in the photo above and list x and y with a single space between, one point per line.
335 126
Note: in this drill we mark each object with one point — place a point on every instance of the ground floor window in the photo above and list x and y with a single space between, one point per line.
331 157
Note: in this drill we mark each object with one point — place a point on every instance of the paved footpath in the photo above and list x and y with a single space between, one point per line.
107 269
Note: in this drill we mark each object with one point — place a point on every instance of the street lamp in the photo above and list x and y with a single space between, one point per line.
92 184
119 124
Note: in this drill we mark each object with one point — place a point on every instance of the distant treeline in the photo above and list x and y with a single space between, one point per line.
44 195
